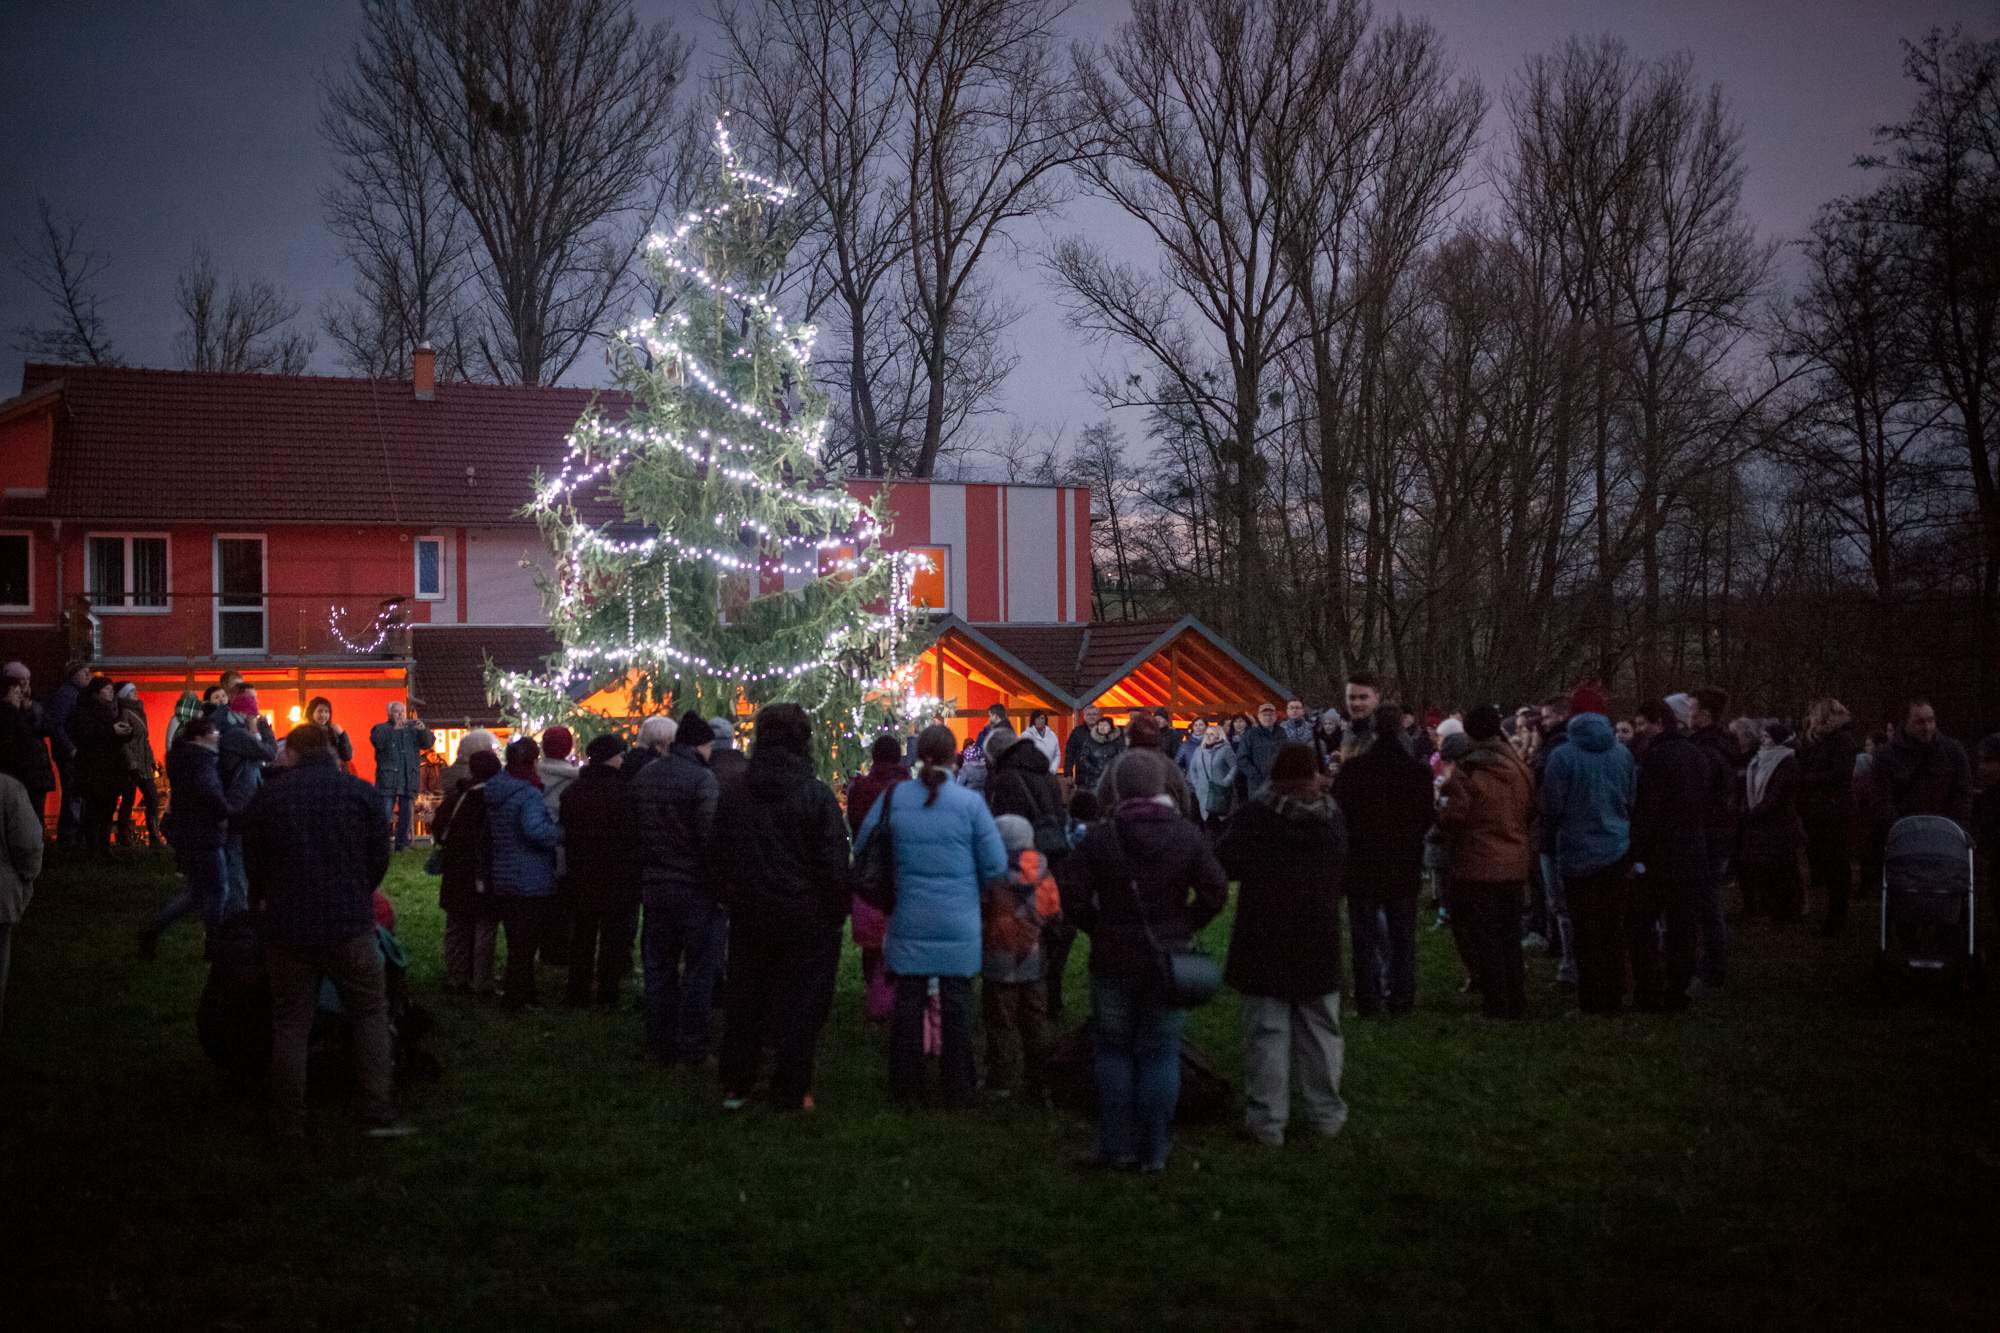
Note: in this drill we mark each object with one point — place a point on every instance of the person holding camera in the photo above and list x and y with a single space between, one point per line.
399 745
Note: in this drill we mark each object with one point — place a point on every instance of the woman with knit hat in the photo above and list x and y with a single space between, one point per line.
1287 851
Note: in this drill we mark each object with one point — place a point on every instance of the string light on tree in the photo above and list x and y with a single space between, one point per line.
706 553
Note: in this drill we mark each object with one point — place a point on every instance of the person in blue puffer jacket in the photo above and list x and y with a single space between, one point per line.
1586 801
947 850
524 838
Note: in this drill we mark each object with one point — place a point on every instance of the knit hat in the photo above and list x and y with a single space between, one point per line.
1434 719
245 702
1295 763
603 749
693 729
1016 833
1589 699
724 732
483 764
1455 747
1483 723
1451 726
557 742
1683 706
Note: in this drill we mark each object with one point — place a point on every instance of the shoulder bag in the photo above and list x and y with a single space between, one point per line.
873 879
1187 976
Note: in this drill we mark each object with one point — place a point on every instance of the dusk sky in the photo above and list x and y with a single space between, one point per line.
165 122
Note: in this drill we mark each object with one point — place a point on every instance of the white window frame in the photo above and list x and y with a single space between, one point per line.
166 539
417 566
29 605
263 593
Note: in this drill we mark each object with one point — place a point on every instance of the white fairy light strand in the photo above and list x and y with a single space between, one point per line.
380 626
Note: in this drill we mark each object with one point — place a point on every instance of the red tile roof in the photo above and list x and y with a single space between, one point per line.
448 666
1075 658
153 446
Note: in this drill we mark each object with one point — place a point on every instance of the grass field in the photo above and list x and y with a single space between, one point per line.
1792 1154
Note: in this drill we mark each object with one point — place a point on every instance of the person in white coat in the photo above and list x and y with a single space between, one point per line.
1045 739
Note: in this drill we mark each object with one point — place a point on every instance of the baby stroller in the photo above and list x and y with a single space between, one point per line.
1928 903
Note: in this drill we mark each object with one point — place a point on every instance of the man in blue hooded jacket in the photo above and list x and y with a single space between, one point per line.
1586 801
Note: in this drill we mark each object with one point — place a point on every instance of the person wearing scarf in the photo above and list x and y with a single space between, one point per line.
1772 831
186 709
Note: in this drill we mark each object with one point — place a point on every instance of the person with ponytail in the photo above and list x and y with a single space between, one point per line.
947 850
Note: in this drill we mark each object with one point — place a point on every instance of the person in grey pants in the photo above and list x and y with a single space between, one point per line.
1287 850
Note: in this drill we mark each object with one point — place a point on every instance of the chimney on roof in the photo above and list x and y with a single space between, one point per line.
423 372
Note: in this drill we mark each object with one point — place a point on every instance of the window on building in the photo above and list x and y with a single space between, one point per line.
17 572
430 568
239 595
928 584
126 571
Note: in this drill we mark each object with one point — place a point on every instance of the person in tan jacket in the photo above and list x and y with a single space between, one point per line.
1489 805
20 866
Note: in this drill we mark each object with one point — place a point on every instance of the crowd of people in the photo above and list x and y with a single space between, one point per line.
1605 838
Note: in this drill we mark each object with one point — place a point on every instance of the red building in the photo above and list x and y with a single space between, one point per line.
361 539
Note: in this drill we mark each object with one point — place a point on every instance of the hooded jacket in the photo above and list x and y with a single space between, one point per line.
1388 800
1489 806
1587 792
1021 783
780 848
947 852
1287 854
524 838
1772 833
1677 786
1147 846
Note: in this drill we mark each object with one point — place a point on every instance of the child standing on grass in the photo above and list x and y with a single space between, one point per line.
1014 1000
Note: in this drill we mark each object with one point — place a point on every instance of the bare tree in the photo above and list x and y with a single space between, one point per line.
551 123
238 331
985 125
58 264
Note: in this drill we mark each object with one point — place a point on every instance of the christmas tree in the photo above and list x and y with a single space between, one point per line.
705 552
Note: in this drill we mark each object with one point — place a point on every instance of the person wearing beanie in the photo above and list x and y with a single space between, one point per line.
685 931
871 925
315 853
724 732
1773 835
465 884
1388 798
245 748
1013 1000
1669 858
1587 792
1682 706
601 875
1486 818
399 744
557 767
524 838
1287 851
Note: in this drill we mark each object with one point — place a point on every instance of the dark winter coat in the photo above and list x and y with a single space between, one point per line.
1725 801
61 706
599 834
1489 805
1021 784
399 757
673 812
1386 796
1256 750
198 820
243 752
315 846
466 884
780 850
24 753
99 766
729 766
1670 807
1826 783
1094 759
1770 831
1168 859
1586 799
524 837
138 745
1287 856
1934 779
864 791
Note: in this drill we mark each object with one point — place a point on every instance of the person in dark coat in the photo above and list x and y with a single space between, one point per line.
399 744
602 875
684 932
24 746
1772 833
99 766
871 924
780 857
1707 730
524 838
1096 753
1670 808
315 851
1922 772
465 886
200 820
1826 805
724 759
1020 783
1287 851
57 713
1257 749
1386 795
1144 846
